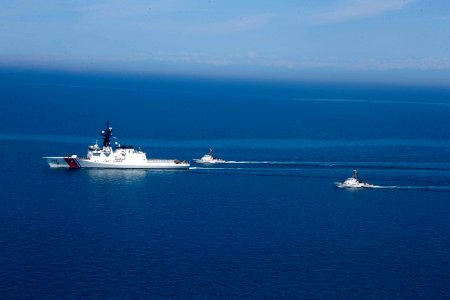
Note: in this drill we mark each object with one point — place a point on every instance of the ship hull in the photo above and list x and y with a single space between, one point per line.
78 163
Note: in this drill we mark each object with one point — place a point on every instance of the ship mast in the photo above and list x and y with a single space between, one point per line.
107 134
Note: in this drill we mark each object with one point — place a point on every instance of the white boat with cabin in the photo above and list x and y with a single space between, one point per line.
354 182
209 159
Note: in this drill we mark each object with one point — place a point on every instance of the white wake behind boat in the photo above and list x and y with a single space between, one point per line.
354 182
209 159
122 157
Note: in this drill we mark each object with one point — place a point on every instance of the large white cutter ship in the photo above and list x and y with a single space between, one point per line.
122 157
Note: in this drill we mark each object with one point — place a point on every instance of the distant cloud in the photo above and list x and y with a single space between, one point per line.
250 58
404 64
357 9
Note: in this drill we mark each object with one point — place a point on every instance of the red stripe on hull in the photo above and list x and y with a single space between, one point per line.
73 164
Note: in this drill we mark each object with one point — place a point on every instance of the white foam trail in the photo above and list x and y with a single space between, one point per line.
351 164
407 187
415 187
312 163
401 187
268 170
216 168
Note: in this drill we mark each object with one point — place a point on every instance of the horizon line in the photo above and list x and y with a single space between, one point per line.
317 76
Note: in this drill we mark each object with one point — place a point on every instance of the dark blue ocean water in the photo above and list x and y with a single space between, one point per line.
269 225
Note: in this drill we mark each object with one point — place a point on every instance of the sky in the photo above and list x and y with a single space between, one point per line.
371 40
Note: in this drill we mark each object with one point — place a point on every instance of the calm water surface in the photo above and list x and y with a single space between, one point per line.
270 224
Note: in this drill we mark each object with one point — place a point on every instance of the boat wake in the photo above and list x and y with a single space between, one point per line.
219 168
401 187
415 187
302 173
281 163
349 164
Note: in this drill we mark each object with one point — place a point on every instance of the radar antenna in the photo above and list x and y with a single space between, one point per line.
107 134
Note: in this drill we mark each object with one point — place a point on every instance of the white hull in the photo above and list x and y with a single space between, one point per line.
77 163
215 161
355 186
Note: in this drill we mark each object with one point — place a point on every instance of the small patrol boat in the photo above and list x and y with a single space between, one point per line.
354 182
122 157
209 159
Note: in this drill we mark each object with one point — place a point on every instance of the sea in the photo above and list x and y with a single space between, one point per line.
269 223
